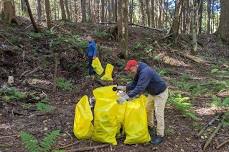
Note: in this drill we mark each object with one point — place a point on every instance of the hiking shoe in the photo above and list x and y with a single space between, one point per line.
157 140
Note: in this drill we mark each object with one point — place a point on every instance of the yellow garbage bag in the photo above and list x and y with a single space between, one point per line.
135 123
108 73
96 64
83 127
105 115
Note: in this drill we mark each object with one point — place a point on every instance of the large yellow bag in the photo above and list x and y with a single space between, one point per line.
105 115
82 122
96 64
108 73
135 123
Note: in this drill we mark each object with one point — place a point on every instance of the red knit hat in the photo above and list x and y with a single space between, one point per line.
130 64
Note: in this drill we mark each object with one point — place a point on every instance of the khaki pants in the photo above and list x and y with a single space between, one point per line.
157 104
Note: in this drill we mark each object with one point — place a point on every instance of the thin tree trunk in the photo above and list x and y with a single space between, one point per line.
39 10
116 11
48 13
200 12
142 12
209 16
75 10
83 10
113 9
31 16
176 22
67 9
152 13
89 11
62 10
148 12
102 11
194 28
131 11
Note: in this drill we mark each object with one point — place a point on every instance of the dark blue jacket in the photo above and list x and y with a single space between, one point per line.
146 79
91 49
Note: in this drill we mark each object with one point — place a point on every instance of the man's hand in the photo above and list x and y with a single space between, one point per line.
94 57
123 88
122 98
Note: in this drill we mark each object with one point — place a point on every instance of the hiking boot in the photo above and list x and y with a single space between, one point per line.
157 140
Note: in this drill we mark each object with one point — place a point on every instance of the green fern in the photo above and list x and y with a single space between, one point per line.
183 105
30 142
49 140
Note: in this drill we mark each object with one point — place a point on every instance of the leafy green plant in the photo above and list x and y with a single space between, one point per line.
32 144
44 107
64 84
102 34
137 46
183 105
11 94
35 35
218 102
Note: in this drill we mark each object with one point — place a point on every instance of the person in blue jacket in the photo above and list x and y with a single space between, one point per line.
91 54
147 79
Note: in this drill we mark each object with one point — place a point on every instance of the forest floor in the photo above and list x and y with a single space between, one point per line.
33 107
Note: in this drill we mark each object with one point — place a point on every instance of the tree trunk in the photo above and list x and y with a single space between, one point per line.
209 16
48 13
23 6
200 14
152 13
148 12
125 32
223 31
75 10
176 22
142 12
113 9
62 10
102 11
31 16
39 11
83 10
89 11
119 19
67 9
131 11
116 11
194 27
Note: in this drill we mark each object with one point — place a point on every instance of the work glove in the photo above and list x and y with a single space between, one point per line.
122 97
123 88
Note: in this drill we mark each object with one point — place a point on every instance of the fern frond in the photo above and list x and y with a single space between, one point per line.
30 142
49 140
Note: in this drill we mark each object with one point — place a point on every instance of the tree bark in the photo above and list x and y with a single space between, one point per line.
48 13
176 22
194 27
67 9
152 13
131 11
39 11
83 10
148 12
31 16
142 12
62 10
102 11
209 16
223 31
200 14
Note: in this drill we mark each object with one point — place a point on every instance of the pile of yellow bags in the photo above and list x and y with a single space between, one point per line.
109 116
96 64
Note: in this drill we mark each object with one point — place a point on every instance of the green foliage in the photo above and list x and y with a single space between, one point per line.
218 102
11 94
49 140
32 145
162 72
35 35
43 107
64 84
30 142
138 46
183 105
102 34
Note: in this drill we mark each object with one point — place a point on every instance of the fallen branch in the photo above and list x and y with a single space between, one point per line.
26 73
208 124
213 135
68 145
88 148
220 145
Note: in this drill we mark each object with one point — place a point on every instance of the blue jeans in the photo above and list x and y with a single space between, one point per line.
90 68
